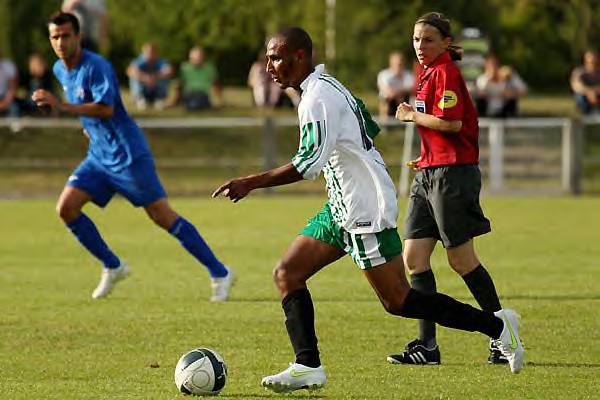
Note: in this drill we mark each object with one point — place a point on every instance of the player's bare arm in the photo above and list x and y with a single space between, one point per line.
237 189
44 98
406 112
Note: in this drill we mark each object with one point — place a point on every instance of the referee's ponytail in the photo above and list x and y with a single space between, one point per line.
442 24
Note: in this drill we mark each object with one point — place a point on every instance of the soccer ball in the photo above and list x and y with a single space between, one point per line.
200 372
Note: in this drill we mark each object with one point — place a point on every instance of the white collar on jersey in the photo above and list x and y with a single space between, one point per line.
319 69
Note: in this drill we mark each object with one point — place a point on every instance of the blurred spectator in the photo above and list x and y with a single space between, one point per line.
395 85
38 76
498 90
8 87
92 18
198 80
149 78
266 93
585 83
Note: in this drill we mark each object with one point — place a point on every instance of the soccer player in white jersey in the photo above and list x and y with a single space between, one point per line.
336 137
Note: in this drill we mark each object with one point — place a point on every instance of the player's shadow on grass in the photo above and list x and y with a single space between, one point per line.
562 365
271 395
553 296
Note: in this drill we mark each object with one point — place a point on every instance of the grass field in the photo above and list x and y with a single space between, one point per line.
56 343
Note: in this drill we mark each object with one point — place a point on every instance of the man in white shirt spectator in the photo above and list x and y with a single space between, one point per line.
395 85
498 90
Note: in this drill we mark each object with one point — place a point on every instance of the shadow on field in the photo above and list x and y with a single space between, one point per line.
272 395
562 365
553 296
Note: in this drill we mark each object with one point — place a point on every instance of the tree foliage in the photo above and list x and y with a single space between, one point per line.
542 39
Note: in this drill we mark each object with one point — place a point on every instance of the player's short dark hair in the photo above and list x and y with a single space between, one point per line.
296 39
61 18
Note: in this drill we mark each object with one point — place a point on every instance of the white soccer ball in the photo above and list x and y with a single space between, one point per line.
200 372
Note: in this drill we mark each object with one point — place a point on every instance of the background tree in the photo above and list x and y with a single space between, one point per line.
542 39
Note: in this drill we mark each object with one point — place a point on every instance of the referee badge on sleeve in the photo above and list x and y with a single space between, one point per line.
448 100
420 106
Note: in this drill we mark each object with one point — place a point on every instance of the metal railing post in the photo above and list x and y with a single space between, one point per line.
269 147
572 154
496 132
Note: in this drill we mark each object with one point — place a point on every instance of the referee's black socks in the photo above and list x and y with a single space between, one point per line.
482 287
300 323
425 282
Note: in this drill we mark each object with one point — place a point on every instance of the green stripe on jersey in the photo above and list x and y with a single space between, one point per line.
372 127
366 129
311 145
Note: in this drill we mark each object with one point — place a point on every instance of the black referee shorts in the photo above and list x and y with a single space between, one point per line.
444 204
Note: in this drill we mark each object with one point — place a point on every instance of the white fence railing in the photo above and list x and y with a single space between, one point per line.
571 139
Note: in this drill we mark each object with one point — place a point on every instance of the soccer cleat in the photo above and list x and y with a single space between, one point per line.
221 286
509 342
295 377
496 356
108 280
416 353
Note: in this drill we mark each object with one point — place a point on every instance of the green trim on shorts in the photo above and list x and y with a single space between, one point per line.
366 249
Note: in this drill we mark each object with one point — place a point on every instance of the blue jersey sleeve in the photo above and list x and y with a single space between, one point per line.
102 84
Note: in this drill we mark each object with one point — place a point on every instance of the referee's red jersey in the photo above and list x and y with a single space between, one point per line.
441 92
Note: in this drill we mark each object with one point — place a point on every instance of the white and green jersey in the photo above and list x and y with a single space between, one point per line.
336 135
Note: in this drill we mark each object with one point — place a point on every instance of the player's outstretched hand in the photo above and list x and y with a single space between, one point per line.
44 99
235 189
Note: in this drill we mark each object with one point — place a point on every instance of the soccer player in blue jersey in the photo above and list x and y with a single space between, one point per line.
118 160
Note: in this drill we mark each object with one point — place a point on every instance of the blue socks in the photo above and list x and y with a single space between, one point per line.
85 231
191 240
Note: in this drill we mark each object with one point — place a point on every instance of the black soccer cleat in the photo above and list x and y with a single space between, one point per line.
496 356
417 354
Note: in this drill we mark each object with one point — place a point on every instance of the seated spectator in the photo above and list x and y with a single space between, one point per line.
8 87
585 83
265 92
149 78
198 79
498 90
395 85
38 76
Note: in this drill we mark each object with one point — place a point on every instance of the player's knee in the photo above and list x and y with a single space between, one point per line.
279 274
283 276
393 306
161 219
66 212
394 303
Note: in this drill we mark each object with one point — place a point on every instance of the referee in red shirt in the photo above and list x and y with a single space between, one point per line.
444 198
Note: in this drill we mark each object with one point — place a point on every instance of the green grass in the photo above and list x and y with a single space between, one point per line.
56 343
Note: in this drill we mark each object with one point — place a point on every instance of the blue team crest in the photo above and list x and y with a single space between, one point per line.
420 106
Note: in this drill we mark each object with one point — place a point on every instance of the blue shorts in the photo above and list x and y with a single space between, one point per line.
138 182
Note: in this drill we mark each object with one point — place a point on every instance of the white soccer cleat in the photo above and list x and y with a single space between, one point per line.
296 376
221 286
509 341
108 280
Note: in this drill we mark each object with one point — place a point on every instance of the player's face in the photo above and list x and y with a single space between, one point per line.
282 64
64 40
428 43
